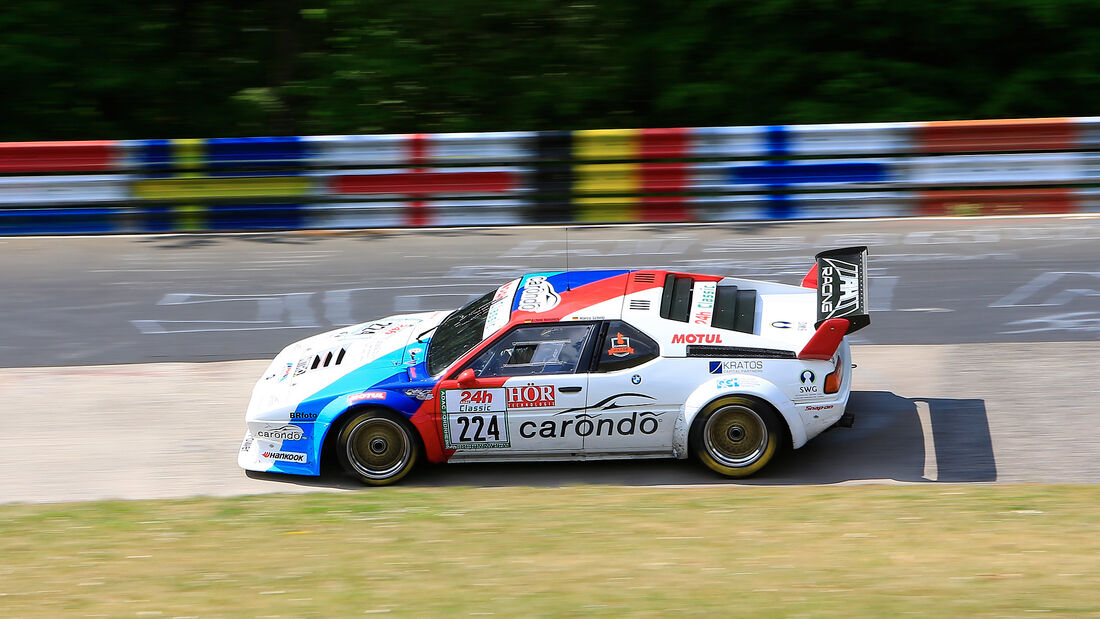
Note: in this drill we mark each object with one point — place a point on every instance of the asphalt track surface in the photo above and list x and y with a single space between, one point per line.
979 365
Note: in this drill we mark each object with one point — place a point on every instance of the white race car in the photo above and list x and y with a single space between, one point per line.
572 365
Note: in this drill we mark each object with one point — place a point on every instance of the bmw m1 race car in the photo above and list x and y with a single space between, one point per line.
571 366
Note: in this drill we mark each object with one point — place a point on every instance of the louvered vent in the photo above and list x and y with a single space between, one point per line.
645 278
340 357
639 304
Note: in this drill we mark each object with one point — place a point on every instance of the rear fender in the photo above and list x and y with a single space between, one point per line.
735 384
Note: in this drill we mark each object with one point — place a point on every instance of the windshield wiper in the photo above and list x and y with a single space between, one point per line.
425 333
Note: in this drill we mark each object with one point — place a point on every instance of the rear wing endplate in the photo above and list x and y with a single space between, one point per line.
842 287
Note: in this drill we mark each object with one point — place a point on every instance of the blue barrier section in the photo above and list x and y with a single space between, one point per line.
60 221
786 173
243 152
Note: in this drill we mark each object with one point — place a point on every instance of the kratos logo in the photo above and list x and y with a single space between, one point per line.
538 295
839 288
697 338
288 456
531 396
281 433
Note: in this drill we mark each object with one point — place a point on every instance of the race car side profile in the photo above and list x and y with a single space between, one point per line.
572 365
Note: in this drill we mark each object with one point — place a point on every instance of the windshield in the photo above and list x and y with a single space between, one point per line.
458 333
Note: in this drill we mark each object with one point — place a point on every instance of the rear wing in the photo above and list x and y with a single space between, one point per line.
840 277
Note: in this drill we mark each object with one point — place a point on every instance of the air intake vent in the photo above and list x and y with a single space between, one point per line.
639 304
645 278
340 357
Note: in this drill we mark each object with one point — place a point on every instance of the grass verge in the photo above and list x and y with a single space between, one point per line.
933 550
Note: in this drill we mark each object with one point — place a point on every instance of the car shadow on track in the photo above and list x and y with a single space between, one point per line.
889 441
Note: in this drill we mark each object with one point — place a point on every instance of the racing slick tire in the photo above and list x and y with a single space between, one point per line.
378 447
736 436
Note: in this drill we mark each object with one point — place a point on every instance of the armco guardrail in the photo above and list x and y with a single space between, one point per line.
678 174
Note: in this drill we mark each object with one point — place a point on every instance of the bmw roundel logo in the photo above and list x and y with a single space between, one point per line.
636 379
807 376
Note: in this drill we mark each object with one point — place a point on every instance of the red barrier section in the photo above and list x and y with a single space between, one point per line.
672 143
90 156
997 202
417 212
980 136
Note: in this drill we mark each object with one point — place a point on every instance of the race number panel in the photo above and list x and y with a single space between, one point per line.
475 418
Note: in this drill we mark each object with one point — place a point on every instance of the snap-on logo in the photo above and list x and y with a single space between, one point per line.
697 338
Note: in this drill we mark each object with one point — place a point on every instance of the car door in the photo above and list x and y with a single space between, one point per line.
530 386
633 398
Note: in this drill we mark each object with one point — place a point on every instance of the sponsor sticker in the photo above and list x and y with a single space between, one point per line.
697 338
366 395
286 372
820 408
584 424
247 444
303 416
839 288
808 387
781 324
636 379
728 383
620 346
374 327
475 418
288 432
703 303
285 456
538 295
419 394
736 365
531 396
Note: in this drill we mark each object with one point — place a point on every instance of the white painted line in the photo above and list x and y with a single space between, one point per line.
931 467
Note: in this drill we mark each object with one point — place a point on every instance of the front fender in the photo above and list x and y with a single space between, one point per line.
736 384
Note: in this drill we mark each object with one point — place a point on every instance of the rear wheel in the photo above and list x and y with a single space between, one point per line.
736 436
378 447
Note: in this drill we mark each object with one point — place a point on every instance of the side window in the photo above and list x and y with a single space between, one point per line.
534 350
623 347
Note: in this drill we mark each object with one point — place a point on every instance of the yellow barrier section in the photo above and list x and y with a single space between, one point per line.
615 179
214 187
188 154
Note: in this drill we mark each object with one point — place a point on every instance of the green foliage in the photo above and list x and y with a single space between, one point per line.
85 69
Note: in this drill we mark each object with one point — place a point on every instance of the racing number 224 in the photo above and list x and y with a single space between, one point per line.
483 431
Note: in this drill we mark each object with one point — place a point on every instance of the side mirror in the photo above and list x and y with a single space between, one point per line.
467 378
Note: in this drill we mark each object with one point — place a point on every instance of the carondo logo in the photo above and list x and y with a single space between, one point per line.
538 295
584 424
288 432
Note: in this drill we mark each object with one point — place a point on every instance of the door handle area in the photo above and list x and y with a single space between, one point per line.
569 389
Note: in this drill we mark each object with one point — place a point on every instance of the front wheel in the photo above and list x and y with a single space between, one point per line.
736 436
378 448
